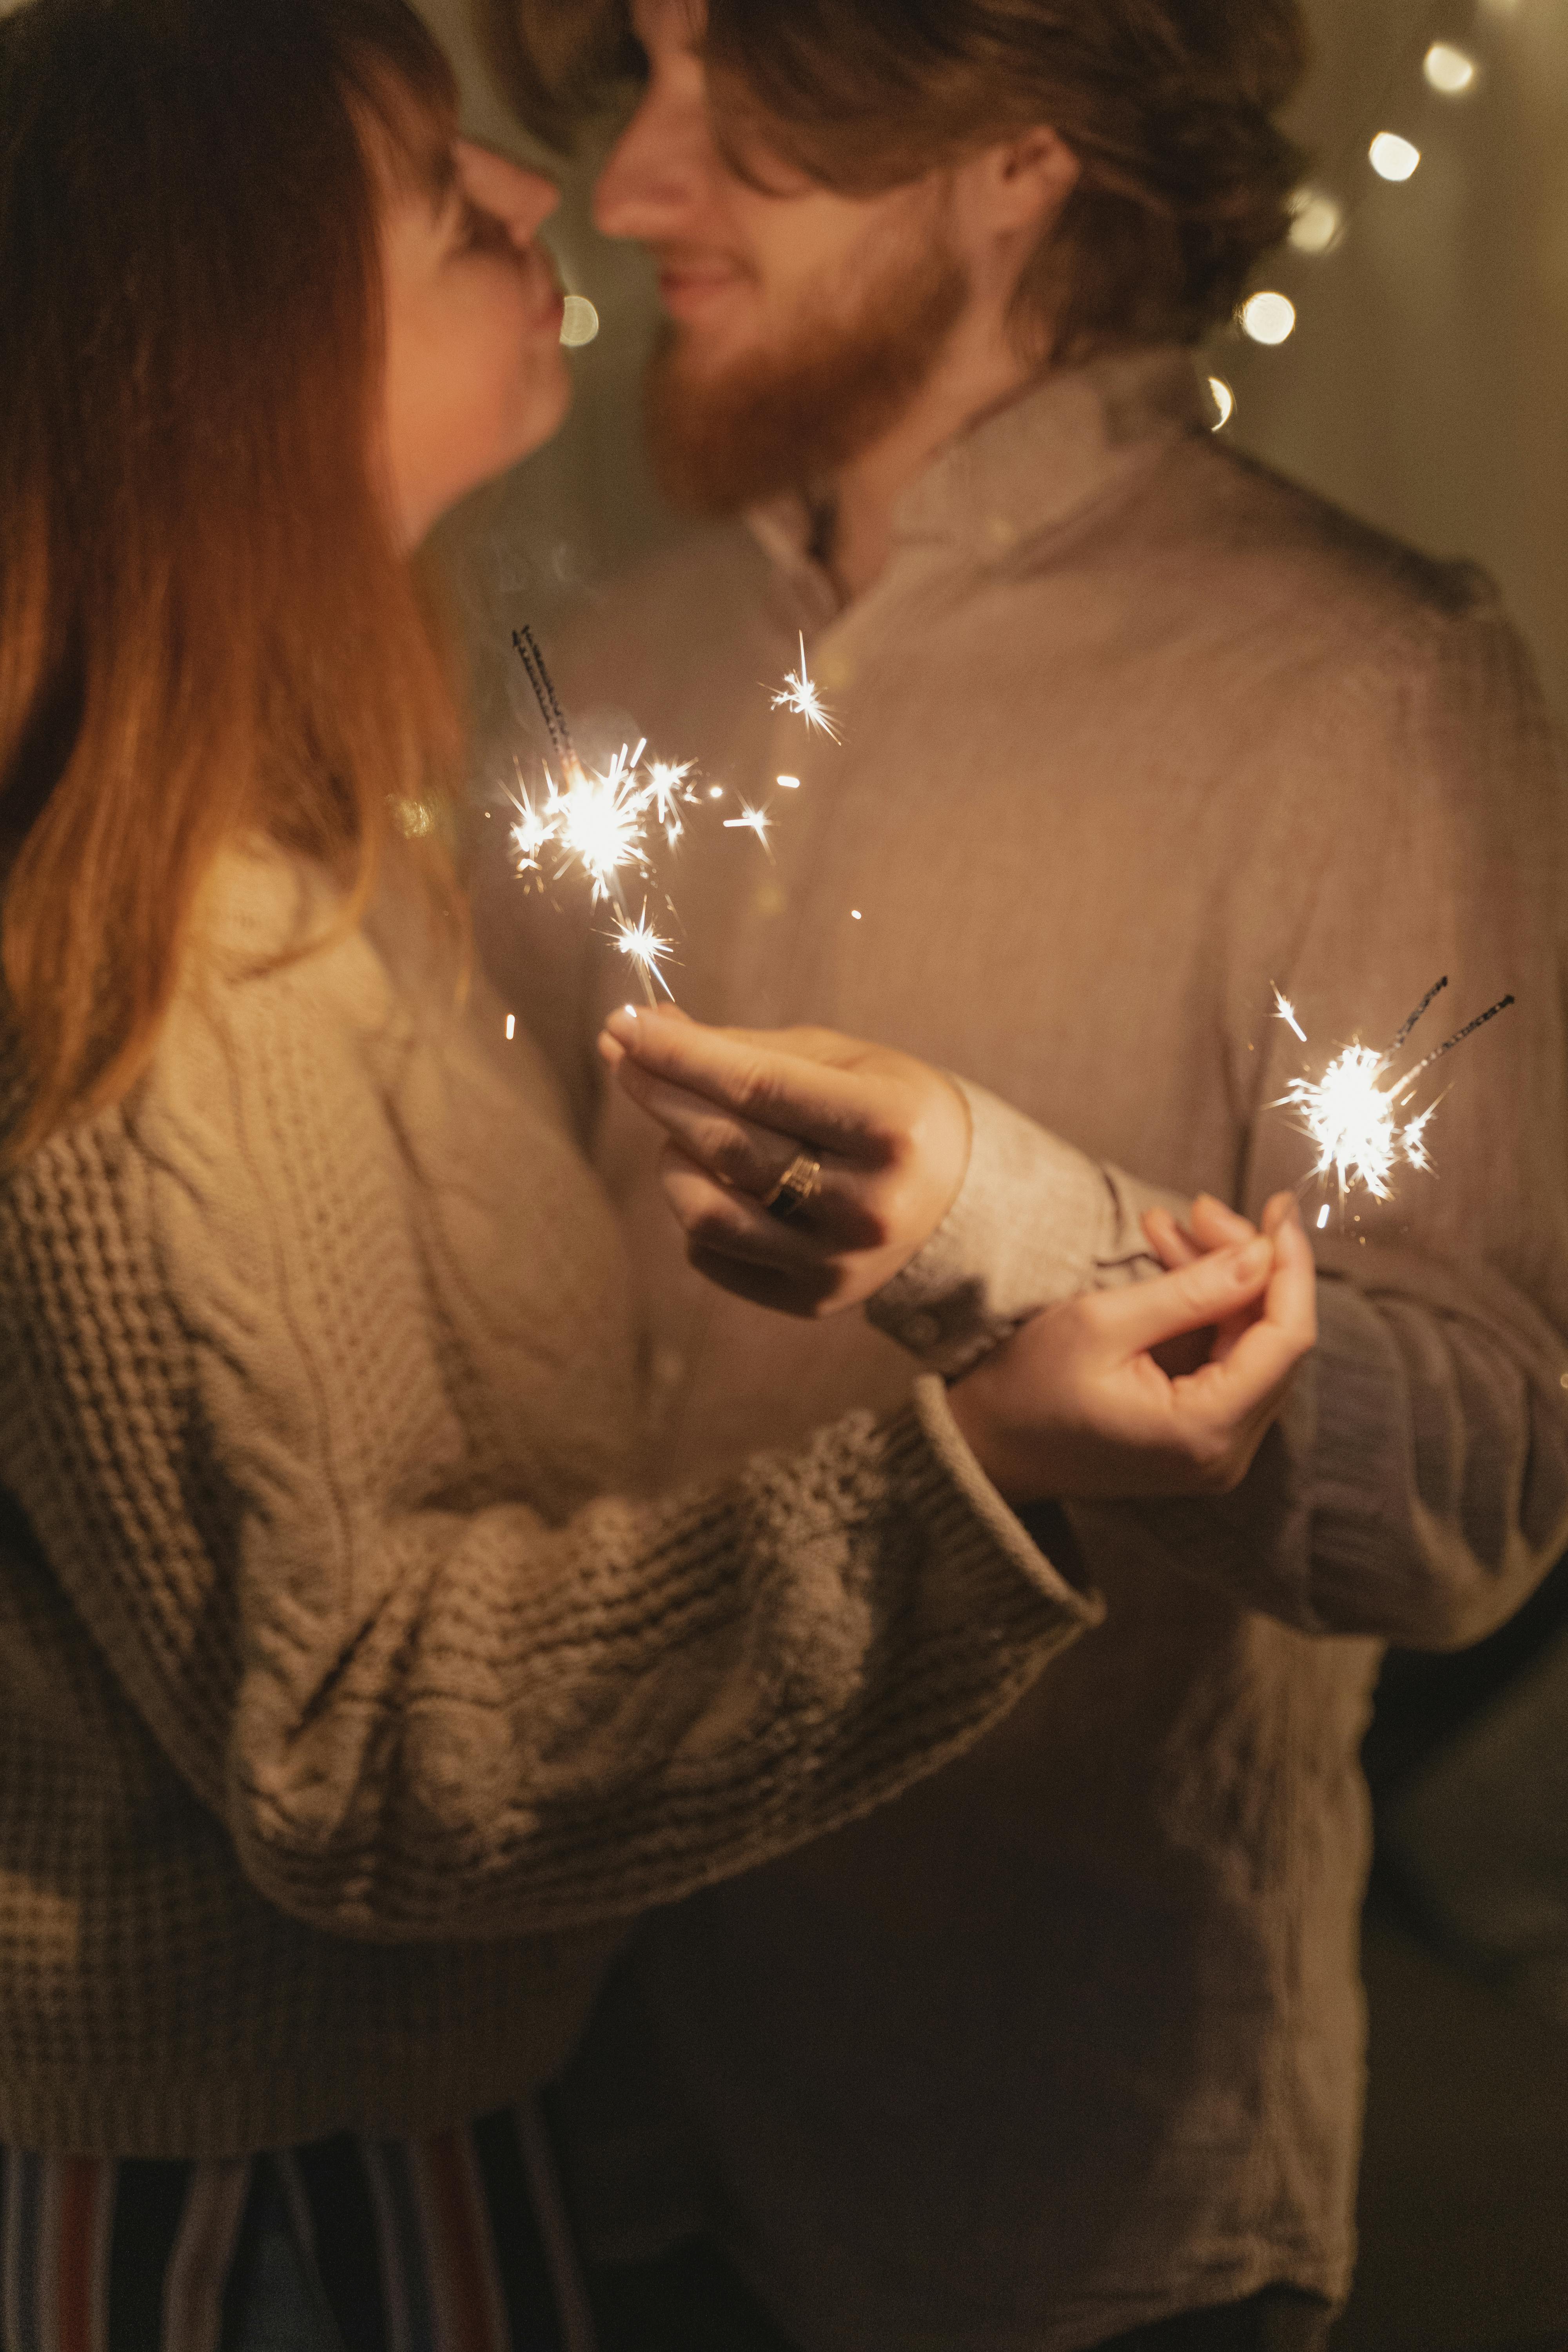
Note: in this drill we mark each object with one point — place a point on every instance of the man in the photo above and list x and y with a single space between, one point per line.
1065 2049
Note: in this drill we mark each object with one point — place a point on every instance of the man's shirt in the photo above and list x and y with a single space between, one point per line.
1132 732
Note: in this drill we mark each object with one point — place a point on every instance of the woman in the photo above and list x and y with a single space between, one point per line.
343 1719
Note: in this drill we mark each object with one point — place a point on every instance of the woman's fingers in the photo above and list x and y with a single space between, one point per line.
811 1100
735 1150
1216 1226
1170 1242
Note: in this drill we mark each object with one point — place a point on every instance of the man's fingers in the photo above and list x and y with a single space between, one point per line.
1210 1290
1240 1390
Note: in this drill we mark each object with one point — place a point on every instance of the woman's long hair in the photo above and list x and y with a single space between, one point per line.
206 628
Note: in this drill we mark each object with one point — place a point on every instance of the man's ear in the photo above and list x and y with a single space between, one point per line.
1031 176
1007 196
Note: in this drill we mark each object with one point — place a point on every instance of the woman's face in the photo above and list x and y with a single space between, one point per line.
474 373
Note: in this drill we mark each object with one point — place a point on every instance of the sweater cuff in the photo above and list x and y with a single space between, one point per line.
1056 1574
1036 1220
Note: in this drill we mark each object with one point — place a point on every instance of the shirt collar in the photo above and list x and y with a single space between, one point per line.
1019 469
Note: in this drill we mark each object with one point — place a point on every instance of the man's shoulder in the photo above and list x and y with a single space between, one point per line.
1269 547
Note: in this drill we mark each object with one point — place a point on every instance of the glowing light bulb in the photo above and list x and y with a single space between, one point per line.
1316 223
1448 69
579 321
1392 157
1269 318
1224 401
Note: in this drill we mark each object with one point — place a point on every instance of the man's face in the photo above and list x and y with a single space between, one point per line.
799 322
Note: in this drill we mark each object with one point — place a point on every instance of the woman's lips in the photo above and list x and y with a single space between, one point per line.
549 297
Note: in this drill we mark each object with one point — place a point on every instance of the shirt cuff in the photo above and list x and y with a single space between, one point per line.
1036 1220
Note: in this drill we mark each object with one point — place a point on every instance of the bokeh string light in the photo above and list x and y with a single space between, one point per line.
1431 63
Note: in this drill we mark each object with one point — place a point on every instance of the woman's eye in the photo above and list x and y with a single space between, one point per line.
482 232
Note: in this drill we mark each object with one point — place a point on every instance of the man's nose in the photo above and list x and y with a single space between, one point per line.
521 199
653 183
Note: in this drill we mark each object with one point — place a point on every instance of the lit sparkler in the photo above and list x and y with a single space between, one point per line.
1353 1116
799 694
600 821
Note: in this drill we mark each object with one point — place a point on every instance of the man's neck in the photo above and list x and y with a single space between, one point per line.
978 371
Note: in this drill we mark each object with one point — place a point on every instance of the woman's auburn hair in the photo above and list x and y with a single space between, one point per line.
208 631
1168 107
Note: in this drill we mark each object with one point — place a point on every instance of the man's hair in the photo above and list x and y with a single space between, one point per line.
206 627
1167 105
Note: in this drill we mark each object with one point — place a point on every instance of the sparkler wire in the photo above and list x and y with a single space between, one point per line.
1435 990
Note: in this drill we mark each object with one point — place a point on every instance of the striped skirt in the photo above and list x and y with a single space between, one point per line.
458 2243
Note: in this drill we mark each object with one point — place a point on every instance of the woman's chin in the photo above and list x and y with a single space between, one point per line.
544 411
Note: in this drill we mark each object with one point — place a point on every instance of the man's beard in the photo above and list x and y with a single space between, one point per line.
788 415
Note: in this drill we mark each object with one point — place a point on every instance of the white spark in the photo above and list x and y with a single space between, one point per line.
643 945
751 820
533 831
1286 1012
599 822
665 780
1351 1119
800 695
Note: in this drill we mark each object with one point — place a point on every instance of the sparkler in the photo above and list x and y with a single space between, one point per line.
1353 1116
600 821
800 695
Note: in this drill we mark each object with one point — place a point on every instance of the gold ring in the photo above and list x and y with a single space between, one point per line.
801 1183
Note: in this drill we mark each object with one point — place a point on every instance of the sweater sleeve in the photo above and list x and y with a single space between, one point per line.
1416 1485
223 1408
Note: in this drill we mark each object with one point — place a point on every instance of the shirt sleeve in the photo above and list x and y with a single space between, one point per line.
224 1408
1036 1220
1416 1486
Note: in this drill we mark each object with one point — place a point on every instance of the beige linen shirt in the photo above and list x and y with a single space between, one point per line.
1070 2037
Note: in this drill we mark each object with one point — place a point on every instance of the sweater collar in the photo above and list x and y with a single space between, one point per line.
1019 470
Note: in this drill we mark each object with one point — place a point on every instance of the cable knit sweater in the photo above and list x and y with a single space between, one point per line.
340 1716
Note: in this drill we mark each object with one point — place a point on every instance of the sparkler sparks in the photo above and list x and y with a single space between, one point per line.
600 821
1352 1115
799 694
644 948
1286 1012
751 820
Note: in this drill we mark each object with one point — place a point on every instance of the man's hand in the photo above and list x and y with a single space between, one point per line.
890 1135
1076 1406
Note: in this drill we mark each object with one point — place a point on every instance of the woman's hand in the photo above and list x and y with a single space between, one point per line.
887 1134
1075 1406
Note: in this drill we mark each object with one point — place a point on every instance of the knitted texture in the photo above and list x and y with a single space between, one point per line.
338 1721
